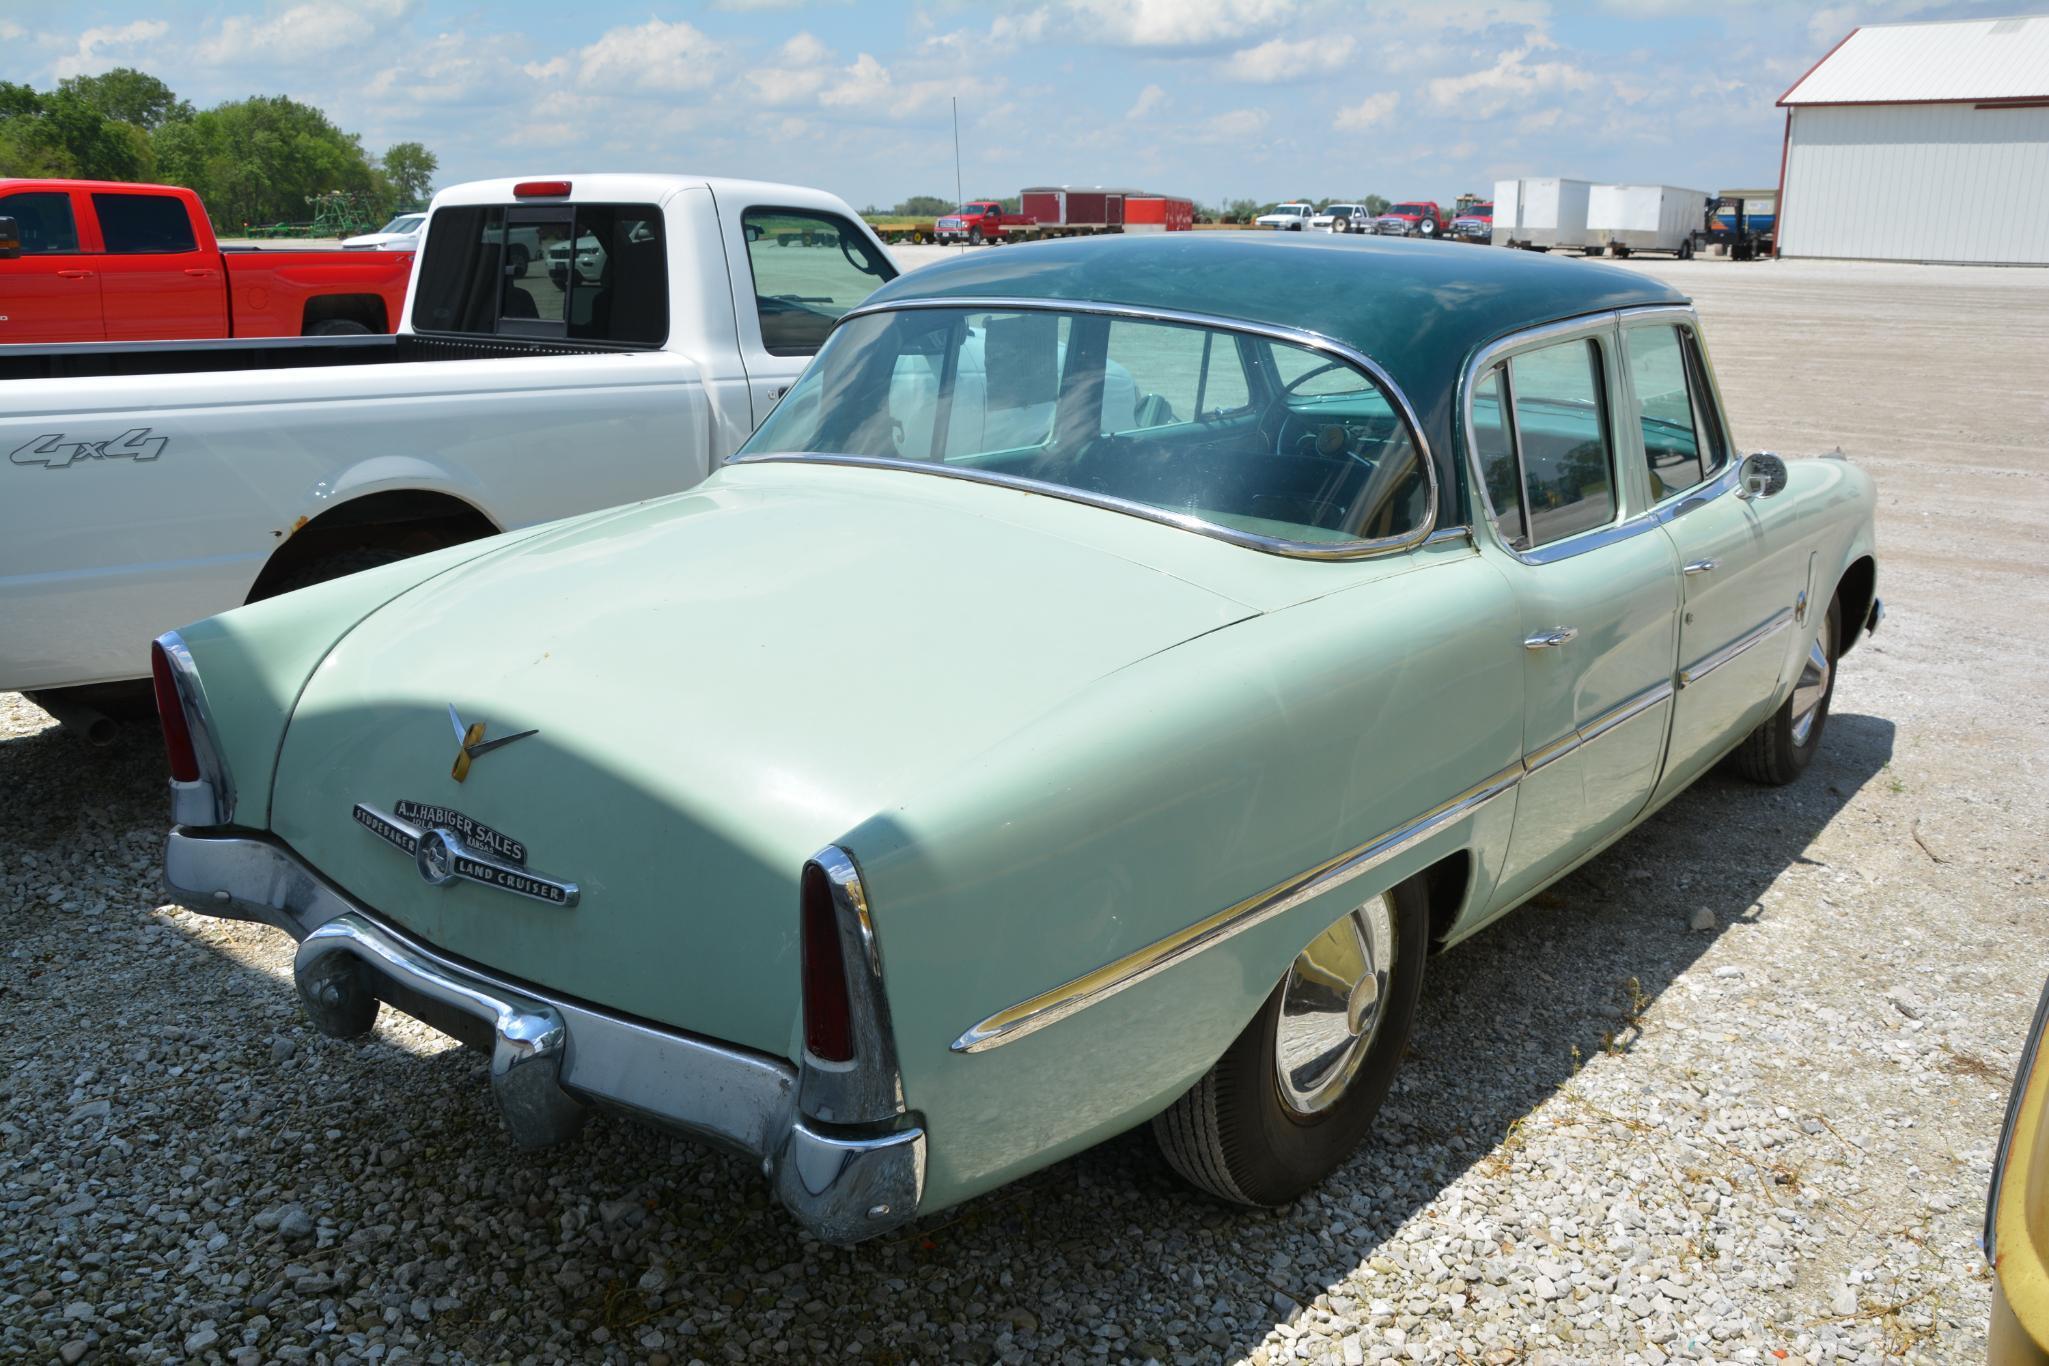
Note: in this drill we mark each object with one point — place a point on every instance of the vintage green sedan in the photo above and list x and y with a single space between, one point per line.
1088 700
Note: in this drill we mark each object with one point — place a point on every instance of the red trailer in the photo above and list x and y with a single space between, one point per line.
1076 210
1159 213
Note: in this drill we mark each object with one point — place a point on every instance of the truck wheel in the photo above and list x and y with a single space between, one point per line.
1296 1092
338 564
1429 228
338 327
1686 250
974 237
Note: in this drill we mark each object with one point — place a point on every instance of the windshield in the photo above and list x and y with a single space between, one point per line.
405 222
1411 210
1254 435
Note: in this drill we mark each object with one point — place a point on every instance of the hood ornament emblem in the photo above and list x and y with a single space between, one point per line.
471 744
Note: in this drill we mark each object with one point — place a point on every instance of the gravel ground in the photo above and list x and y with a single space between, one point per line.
1727 1093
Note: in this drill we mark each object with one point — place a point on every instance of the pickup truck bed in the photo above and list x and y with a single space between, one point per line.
86 360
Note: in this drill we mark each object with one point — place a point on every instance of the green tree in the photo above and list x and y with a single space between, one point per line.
1374 204
59 133
924 206
1240 211
409 169
128 95
258 160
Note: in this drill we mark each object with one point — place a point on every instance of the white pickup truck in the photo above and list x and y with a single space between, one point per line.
148 484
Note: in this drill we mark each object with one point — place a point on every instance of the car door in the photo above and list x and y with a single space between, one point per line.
804 268
1745 575
51 292
1598 591
157 281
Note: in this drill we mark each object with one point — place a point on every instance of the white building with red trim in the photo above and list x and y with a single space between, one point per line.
1921 142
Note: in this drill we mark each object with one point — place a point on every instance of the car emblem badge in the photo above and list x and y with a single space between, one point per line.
447 846
471 744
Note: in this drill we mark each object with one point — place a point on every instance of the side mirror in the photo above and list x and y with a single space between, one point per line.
1763 475
10 239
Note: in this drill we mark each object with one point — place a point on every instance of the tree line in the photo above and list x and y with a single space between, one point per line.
254 161
1235 211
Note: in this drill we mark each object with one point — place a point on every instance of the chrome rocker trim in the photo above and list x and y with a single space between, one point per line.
550 1056
1707 664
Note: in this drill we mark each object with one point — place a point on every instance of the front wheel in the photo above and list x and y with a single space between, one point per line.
1295 1093
1780 750
974 237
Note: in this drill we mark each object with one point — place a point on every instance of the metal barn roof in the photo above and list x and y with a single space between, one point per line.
1955 62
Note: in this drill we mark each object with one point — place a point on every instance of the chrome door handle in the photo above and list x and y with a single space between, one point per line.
1703 567
1545 640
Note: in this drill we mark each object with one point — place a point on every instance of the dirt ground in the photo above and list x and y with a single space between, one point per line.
1619 1138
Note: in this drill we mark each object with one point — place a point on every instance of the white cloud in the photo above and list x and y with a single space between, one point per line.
796 73
1513 79
303 33
653 57
1174 23
1356 118
457 68
89 58
10 31
1148 102
1278 60
1235 125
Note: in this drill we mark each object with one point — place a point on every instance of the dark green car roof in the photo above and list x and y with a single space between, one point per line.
1420 309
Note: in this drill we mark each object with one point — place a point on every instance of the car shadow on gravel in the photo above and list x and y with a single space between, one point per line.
630 1232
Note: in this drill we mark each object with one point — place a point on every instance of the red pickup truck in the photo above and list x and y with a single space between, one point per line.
91 260
1413 218
983 220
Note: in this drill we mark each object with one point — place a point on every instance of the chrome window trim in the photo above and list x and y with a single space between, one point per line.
1722 480
2016 1097
1708 663
869 1088
1048 1007
210 800
1625 526
1055 1005
1272 545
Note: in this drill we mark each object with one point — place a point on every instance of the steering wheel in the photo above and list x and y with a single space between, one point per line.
1279 402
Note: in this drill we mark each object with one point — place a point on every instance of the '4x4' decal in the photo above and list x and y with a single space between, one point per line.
56 451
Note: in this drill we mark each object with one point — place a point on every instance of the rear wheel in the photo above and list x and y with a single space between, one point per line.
1779 751
1429 227
336 564
338 327
1295 1093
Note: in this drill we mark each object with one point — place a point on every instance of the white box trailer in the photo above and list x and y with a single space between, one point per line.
1547 213
1630 218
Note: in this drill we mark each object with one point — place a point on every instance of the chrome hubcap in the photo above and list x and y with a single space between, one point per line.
1813 684
1331 1007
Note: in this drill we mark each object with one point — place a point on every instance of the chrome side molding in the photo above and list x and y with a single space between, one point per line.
1707 664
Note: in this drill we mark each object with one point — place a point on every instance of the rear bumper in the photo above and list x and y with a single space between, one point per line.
552 1056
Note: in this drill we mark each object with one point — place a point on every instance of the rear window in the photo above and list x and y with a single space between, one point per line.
582 272
144 224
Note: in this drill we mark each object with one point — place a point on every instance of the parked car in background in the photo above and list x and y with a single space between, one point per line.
402 233
1341 218
145 485
983 220
1416 218
1286 217
2017 1212
91 260
1476 224
1306 606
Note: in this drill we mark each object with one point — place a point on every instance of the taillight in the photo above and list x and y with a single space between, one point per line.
541 189
171 712
828 1018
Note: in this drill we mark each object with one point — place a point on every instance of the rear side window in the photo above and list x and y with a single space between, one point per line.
43 217
1681 441
144 224
1544 412
584 272
809 268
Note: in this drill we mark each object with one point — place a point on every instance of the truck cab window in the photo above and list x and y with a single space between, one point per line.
809 268
588 272
144 224
44 220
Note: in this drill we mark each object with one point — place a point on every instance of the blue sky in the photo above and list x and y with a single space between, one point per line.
1216 99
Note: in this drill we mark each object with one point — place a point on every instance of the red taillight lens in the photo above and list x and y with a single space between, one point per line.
828 1020
177 736
541 189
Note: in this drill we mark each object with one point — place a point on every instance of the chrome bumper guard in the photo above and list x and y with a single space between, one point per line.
550 1055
